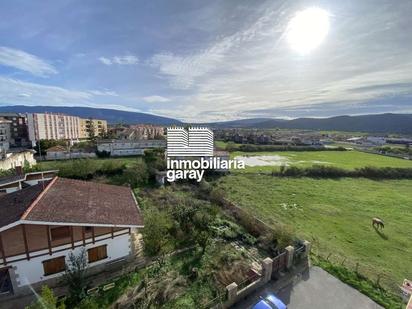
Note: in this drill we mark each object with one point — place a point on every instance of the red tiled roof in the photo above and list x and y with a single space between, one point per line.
68 201
13 205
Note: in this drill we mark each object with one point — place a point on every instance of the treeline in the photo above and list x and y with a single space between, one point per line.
322 171
259 148
394 150
141 172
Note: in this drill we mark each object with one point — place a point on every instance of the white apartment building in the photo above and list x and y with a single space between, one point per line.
52 126
194 142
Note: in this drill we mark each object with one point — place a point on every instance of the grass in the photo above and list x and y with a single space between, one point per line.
361 283
342 159
336 216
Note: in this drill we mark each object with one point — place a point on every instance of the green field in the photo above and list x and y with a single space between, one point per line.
336 216
342 159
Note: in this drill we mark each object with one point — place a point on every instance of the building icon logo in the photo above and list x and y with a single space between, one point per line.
193 142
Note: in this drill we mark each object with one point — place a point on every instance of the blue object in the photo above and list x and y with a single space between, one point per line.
270 302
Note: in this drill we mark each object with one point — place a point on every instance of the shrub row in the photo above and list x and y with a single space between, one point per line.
322 171
257 148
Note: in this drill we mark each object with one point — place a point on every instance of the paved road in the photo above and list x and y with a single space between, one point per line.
314 289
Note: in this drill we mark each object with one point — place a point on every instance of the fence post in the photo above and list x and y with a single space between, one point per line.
307 246
290 250
231 293
267 265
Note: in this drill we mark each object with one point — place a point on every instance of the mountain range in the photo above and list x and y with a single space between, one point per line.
377 123
111 115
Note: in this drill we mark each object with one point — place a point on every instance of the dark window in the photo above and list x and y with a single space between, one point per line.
97 253
59 232
54 266
88 229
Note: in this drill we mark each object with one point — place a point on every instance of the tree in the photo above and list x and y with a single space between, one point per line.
136 175
47 300
156 233
75 277
202 222
91 130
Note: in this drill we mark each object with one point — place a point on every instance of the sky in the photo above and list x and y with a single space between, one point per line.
206 60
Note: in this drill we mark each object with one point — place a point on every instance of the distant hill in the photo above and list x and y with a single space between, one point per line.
111 115
380 123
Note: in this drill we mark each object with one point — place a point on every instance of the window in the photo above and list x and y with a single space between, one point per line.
54 266
59 232
97 253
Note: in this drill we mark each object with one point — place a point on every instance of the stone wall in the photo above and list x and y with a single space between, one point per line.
234 294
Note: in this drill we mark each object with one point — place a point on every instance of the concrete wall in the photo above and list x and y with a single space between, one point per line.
17 159
234 294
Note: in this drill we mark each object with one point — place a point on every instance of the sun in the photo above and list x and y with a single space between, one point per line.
307 29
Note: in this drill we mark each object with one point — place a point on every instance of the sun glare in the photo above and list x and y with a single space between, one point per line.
307 29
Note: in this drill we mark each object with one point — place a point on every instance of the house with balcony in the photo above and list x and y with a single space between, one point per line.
43 224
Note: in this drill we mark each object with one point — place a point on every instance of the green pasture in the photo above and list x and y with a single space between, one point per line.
342 159
335 215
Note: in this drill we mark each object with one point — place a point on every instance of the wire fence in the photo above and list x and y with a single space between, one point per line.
381 279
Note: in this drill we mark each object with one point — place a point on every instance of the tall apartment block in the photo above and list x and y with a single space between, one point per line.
4 136
52 126
19 136
100 127
195 142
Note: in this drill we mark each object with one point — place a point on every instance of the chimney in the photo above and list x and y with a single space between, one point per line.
19 170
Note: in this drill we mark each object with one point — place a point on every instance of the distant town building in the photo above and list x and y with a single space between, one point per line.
52 126
19 136
65 153
128 147
98 126
141 131
41 225
4 136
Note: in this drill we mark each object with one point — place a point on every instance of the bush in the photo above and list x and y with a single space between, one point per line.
110 168
47 300
78 169
322 171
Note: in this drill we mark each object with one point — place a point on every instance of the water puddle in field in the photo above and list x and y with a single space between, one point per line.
273 160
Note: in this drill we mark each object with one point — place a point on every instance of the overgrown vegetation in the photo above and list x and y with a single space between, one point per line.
133 171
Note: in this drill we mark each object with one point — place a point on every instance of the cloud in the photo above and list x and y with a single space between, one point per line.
105 61
155 99
21 92
362 60
104 93
17 92
23 61
121 60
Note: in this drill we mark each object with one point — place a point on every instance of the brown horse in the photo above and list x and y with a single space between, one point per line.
376 222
